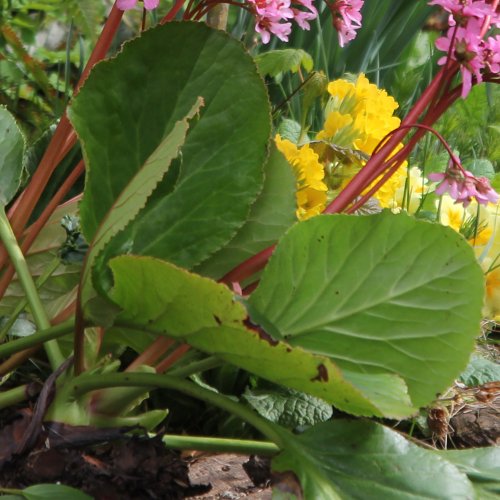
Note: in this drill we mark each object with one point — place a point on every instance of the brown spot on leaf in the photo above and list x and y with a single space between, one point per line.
217 319
260 332
322 375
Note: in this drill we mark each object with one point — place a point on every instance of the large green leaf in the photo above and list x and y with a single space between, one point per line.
482 466
194 214
377 294
363 459
12 145
271 215
133 198
161 298
477 463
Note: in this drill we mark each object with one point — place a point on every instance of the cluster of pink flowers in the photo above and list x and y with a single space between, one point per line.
274 16
346 18
130 4
469 20
463 185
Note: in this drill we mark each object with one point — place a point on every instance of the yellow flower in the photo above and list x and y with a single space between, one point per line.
370 107
311 190
492 298
451 214
334 123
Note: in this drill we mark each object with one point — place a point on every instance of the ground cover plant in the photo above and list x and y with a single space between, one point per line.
257 231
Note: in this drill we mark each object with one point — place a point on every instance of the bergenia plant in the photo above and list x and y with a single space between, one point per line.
214 241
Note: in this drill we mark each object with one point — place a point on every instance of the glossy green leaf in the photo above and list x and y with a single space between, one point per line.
133 198
167 300
363 459
287 407
54 492
191 215
376 294
271 215
12 146
480 464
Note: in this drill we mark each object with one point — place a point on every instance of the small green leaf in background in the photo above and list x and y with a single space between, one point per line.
270 216
480 167
274 62
376 294
54 492
480 371
363 459
290 129
287 407
12 145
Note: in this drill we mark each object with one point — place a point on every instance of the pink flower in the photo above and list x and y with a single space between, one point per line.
467 49
461 10
463 185
273 17
130 4
491 54
346 18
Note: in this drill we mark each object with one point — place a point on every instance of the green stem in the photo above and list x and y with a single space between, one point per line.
219 445
37 310
12 491
196 367
88 382
37 338
13 396
24 302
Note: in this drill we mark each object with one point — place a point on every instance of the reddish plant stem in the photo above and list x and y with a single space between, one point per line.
16 360
152 354
400 156
173 11
61 141
65 314
249 267
164 365
487 19
103 43
203 8
187 11
39 180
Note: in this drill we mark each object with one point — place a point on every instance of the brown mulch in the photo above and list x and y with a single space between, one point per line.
108 465
127 469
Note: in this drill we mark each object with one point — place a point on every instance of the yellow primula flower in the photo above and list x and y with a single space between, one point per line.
311 190
370 107
450 213
334 123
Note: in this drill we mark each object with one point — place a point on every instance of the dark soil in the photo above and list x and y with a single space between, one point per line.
108 465
127 469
